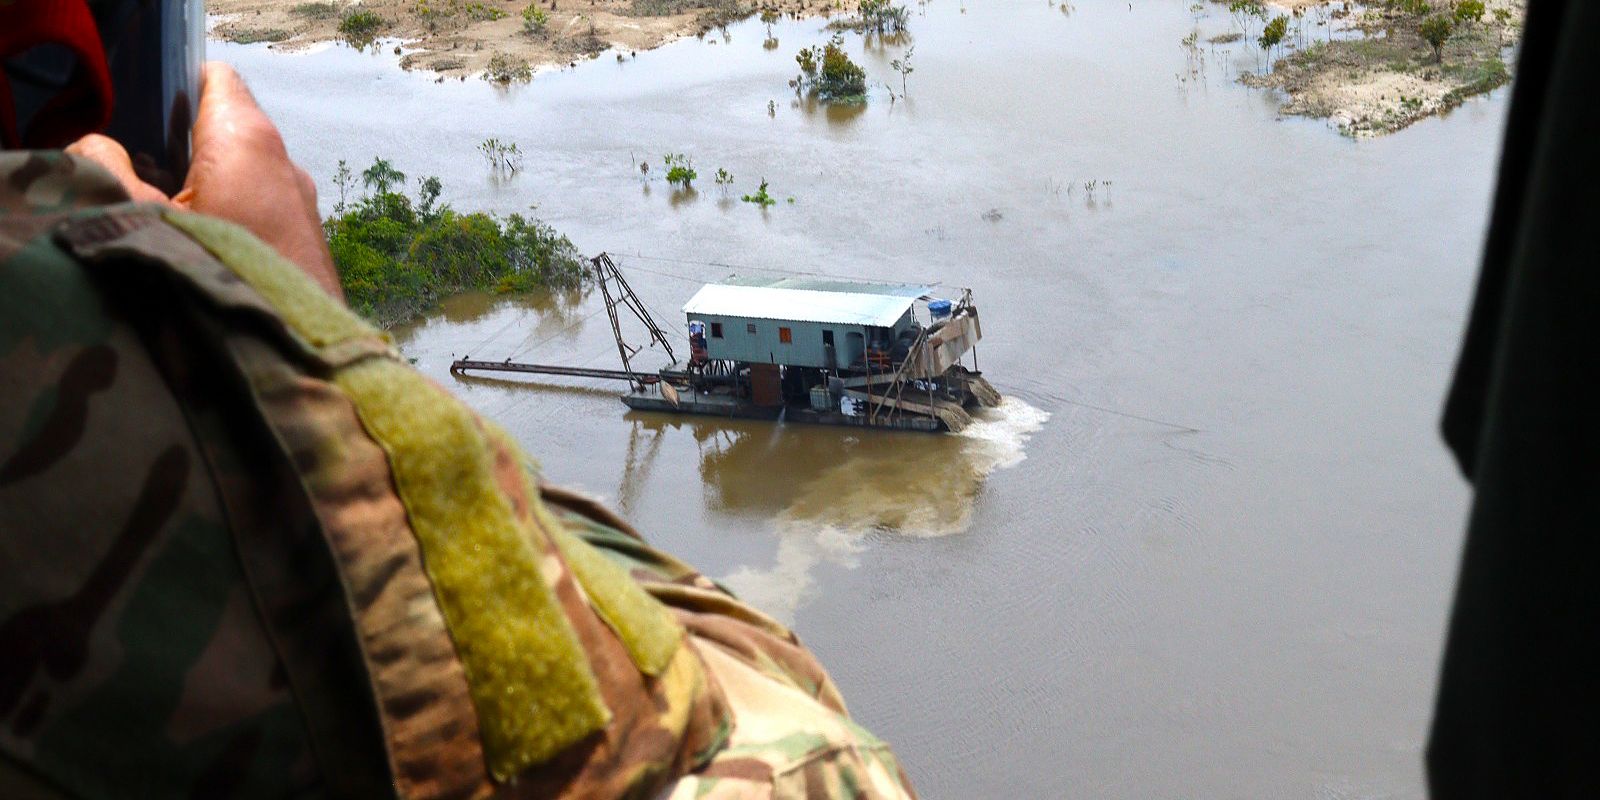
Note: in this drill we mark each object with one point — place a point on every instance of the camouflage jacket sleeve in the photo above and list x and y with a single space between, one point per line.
248 551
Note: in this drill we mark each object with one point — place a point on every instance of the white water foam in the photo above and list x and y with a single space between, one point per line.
924 497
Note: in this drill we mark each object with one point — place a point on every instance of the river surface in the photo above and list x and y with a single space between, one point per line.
1207 548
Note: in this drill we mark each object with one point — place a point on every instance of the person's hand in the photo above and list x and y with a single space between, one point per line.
239 172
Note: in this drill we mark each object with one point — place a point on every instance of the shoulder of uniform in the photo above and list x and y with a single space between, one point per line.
50 181
227 267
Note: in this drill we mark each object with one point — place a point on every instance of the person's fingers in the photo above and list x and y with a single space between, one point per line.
224 96
105 151
229 124
241 172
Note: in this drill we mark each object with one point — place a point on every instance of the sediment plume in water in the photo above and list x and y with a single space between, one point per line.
929 495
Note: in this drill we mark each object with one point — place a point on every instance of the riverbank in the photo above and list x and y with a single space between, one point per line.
1386 74
505 39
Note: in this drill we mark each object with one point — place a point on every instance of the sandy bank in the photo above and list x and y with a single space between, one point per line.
461 37
1380 75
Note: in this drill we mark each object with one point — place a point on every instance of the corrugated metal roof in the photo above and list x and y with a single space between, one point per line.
799 305
822 284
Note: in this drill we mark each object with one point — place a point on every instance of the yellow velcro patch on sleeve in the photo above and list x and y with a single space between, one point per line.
644 625
528 675
316 317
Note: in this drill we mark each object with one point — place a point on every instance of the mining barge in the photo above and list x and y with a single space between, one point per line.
802 349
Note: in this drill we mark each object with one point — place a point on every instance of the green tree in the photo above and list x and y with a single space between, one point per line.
830 74
534 20
505 158
1272 34
880 16
1245 10
396 257
344 179
760 197
360 27
903 66
680 170
1436 30
381 177
1469 11
428 189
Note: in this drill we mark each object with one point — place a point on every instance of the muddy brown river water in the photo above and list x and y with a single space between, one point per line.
1207 548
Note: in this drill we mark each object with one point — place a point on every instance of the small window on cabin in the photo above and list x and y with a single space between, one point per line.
716 330
785 336
750 329
827 338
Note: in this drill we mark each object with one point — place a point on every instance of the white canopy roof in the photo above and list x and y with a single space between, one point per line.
799 305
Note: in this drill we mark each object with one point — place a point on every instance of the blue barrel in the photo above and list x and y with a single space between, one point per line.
938 309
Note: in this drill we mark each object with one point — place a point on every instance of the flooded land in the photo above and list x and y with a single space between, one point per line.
1369 68
507 39
1206 548
1376 68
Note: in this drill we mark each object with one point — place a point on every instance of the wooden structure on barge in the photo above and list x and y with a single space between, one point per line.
801 349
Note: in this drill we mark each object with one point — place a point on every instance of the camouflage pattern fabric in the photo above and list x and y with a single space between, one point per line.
215 584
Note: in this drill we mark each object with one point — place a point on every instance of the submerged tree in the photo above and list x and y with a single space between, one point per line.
680 170
505 158
760 197
881 16
1272 35
1245 10
830 74
903 66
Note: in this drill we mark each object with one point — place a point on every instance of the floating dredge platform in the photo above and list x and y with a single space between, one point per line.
803 349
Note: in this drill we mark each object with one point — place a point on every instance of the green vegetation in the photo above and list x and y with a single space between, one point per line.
723 179
713 13
1469 11
902 65
829 74
1272 34
1245 10
472 10
659 8
1478 78
316 10
505 158
535 21
768 18
1415 8
398 256
1444 51
1436 30
360 27
680 170
255 35
504 69
760 197
875 16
